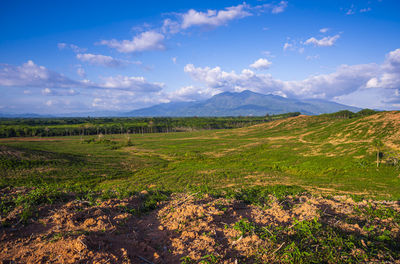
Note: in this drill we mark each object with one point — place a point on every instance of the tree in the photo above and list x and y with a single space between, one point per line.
378 145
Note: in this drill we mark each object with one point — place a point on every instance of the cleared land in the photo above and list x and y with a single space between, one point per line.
302 189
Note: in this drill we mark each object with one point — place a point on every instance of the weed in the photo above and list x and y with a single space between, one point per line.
209 259
245 227
187 260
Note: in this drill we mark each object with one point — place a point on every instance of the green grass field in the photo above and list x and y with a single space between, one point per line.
321 154
276 170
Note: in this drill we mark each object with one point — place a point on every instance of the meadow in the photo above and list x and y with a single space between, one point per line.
321 156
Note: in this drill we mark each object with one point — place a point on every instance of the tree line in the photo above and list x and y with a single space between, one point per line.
49 127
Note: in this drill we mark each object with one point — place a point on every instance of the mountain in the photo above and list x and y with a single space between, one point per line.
246 103
242 104
24 115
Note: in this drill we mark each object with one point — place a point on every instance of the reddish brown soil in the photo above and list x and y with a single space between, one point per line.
186 225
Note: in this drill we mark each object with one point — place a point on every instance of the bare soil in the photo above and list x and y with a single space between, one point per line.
185 226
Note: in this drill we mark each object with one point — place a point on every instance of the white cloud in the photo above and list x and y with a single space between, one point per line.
141 28
32 75
136 84
389 76
324 30
363 10
100 60
351 10
170 26
392 61
345 80
59 92
73 47
61 46
280 7
110 99
148 40
191 93
213 17
268 54
173 60
287 46
261 64
312 57
81 72
46 91
324 42
98 102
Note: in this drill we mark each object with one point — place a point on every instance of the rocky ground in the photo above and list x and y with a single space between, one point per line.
194 228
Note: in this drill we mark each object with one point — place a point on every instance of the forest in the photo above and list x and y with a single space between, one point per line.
50 127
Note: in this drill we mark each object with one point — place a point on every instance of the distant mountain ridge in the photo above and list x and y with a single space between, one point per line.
242 104
246 103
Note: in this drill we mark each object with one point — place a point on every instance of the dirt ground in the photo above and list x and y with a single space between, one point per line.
187 226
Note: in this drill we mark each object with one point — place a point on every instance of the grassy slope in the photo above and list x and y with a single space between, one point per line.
319 153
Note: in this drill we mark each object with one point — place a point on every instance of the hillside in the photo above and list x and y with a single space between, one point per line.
242 104
271 192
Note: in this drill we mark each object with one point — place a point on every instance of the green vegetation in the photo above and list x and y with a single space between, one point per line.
320 154
378 145
50 127
271 161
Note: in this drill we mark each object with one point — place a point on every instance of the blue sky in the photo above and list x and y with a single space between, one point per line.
81 56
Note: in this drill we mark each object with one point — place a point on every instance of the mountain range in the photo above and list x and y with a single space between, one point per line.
242 104
246 103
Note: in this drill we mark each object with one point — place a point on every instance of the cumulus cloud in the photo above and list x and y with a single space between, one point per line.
32 75
389 76
324 42
346 80
148 40
100 60
213 17
170 26
138 84
110 99
324 30
261 64
191 93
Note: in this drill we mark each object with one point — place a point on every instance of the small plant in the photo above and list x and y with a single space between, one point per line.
36 197
187 260
209 259
245 227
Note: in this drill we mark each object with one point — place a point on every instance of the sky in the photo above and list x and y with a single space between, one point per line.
91 56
